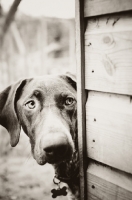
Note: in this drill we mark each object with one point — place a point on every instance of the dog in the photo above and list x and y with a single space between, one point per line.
46 109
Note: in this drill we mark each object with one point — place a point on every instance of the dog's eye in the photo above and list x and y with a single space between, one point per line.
30 104
69 101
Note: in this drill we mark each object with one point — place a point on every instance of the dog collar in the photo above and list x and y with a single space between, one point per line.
73 178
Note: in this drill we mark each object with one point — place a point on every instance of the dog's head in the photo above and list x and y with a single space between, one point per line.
45 107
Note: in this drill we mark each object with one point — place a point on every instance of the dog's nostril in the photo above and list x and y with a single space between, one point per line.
55 150
48 149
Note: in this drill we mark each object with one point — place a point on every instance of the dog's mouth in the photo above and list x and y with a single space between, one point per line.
53 148
52 160
56 159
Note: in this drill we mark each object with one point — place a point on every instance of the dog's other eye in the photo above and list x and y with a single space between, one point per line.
30 104
69 101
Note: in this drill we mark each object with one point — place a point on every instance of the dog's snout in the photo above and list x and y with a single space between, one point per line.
57 149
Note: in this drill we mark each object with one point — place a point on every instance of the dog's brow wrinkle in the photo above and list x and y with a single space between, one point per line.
49 105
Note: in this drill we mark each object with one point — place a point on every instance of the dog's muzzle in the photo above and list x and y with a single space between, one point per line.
56 148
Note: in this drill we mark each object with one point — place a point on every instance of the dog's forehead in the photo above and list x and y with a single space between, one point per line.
48 85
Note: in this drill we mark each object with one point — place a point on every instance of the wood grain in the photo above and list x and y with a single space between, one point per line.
109 129
108 184
99 7
108 54
81 95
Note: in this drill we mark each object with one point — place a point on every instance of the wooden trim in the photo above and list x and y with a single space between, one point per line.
94 7
81 95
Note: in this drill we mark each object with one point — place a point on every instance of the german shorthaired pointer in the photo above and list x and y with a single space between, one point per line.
45 107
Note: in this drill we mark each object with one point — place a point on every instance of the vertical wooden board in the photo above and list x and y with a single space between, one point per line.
108 54
108 184
99 7
109 129
81 96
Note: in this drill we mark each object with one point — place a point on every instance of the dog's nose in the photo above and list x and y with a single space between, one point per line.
55 146
55 149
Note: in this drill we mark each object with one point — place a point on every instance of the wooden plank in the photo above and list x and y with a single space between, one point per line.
81 95
108 184
109 129
108 54
99 7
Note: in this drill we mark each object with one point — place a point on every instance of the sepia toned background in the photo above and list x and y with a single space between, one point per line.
40 40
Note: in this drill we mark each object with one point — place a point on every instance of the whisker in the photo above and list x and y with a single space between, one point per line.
28 158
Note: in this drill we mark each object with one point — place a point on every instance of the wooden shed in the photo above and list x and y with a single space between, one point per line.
104 80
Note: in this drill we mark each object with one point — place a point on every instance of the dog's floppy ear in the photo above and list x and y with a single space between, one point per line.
70 78
8 116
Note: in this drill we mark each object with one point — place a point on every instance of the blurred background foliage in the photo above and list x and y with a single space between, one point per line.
36 47
32 46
